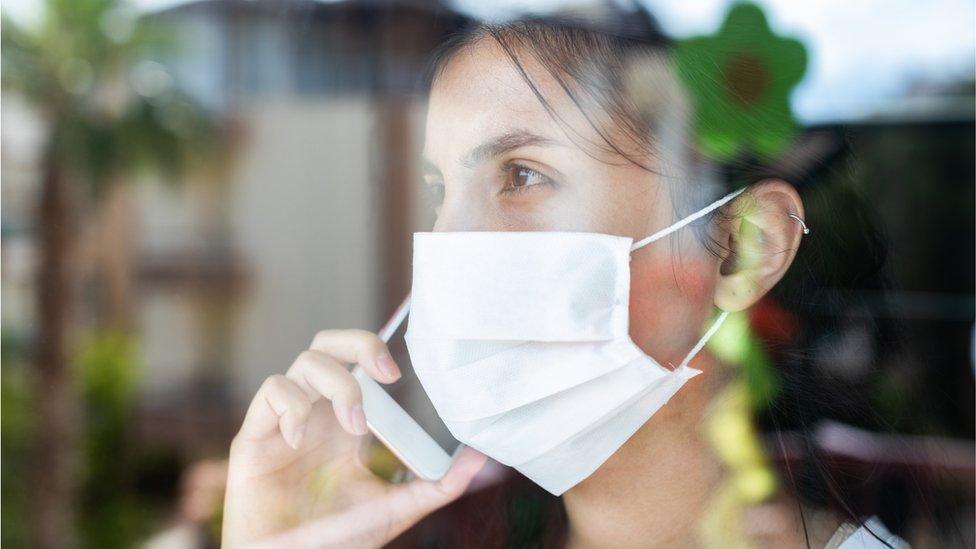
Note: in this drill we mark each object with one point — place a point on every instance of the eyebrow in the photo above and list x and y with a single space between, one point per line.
508 141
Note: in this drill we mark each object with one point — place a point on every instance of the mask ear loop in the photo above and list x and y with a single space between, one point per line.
668 230
391 326
703 340
690 219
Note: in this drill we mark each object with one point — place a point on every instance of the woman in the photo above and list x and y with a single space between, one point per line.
540 126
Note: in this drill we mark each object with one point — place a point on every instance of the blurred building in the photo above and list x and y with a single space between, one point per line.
309 226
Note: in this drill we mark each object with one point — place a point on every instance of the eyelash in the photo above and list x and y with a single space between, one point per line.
436 190
510 169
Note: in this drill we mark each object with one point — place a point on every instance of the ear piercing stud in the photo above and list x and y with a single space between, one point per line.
806 230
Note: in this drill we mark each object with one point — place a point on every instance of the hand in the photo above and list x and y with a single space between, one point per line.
295 477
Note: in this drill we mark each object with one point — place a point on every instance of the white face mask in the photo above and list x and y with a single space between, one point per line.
521 341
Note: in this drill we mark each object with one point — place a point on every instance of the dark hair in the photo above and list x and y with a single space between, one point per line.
591 63
620 67
589 66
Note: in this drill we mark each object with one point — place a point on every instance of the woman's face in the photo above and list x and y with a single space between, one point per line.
504 164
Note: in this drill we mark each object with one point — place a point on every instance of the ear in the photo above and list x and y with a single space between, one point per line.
762 240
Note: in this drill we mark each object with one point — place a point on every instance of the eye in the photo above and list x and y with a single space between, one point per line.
519 178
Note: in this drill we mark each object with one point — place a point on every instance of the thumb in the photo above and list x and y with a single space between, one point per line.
410 502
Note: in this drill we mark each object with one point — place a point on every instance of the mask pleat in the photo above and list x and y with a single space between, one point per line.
511 379
513 439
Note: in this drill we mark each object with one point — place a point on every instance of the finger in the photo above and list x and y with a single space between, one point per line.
359 347
279 405
376 522
319 375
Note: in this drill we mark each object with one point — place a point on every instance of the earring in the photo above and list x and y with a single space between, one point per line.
806 230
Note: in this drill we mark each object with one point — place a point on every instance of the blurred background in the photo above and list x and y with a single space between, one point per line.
190 190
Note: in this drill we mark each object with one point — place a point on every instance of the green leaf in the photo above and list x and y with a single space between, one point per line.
740 80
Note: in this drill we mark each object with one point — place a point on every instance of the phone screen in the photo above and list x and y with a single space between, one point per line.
410 394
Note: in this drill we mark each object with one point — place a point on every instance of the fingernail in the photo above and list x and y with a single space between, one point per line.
386 365
345 416
358 419
289 437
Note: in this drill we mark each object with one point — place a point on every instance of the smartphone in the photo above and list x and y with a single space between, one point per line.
400 415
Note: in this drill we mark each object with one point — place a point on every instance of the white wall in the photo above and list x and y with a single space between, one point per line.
301 212
303 216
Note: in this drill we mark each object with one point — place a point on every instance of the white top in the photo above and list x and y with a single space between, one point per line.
850 536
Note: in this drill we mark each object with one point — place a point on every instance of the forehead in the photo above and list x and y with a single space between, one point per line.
481 93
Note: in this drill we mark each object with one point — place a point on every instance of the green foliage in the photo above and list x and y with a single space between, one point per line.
736 345
108 369
107 376
740 81
16 425
112 514
90 70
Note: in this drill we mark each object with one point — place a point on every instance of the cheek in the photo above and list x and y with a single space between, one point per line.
669 303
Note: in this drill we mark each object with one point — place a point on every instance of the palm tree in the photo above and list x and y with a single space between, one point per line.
110 111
